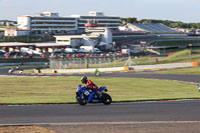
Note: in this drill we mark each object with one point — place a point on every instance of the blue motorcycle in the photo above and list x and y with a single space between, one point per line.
84 95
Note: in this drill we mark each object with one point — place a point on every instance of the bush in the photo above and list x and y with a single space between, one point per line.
26 39
23 60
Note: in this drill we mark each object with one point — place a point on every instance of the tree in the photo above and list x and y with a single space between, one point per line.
132 20
172 24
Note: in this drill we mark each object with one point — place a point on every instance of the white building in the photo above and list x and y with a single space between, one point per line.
47 22
15 32
105 34
98 18
52 23
75 41
97 37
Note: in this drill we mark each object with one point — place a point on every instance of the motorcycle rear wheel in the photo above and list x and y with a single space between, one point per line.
106 99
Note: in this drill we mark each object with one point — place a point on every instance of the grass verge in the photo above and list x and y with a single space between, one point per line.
195 70
177 43
36 90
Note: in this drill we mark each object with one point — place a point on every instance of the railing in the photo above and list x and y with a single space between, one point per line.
87 62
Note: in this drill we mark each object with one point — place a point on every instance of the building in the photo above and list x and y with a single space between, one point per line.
52 23
106 36
98 18
15 32
100 37
76 41
47 22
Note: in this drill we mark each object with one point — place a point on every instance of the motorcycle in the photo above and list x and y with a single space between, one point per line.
11 70
198 85
97 72
82 95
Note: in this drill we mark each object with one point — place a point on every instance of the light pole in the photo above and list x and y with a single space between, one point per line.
115 49
190 52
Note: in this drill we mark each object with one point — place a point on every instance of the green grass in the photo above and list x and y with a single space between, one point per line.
177 57
26 39
177 43
34 90
12 27
195 70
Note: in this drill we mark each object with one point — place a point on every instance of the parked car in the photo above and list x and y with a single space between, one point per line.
2 52
82 51
96 50
15 54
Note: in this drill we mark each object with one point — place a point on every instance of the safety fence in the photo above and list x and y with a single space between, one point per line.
86 62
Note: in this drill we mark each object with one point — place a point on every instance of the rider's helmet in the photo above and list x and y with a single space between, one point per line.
84 80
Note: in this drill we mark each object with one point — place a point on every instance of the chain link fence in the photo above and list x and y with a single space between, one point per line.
87 62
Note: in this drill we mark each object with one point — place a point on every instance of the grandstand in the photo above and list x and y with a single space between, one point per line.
152 28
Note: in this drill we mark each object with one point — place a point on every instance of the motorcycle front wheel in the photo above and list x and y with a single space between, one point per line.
81 101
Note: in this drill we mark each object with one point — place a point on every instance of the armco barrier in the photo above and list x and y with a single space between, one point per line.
90 70
138 67
126 68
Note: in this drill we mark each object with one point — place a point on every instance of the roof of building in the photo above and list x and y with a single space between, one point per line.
78 36
93 14
18 44
49 45
15 44
154 28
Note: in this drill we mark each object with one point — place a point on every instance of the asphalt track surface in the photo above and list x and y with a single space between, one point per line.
185 110
118 112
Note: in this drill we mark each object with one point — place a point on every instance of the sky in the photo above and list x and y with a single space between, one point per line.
175 10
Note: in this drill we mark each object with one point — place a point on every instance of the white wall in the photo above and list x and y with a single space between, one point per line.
15 33
107 36
24 22
21 33
61 40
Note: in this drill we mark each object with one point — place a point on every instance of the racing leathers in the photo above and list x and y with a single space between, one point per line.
91 86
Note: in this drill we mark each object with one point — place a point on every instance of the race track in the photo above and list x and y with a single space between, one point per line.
186 110
118 112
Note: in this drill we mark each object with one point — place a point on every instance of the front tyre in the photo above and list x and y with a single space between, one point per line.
106 99
81 101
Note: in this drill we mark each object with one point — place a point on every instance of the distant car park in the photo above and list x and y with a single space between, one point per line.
15 54
2 54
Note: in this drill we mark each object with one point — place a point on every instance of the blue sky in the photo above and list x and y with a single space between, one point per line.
177 10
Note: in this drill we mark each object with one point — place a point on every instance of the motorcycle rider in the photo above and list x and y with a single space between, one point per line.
97 72
91 86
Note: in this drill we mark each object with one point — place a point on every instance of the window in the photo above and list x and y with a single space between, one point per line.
62 40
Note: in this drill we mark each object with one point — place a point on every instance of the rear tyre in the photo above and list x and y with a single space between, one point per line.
106 99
